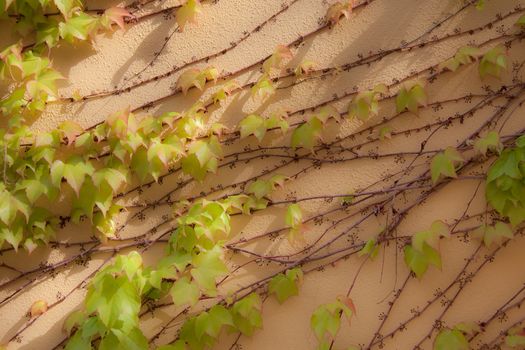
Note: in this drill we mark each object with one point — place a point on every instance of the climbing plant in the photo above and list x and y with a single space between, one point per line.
91 171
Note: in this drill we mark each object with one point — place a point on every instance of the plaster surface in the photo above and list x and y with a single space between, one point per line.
380 25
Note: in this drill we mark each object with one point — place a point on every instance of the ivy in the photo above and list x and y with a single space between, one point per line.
258 126
494 233
463 56
188 13
410 97
490 142
197 78
338 11
505 183
326 320
286 285
454 339
422 252
366 104
444 164
515 338
96 165
493 63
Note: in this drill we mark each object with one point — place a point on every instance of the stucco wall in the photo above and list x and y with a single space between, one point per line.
380 25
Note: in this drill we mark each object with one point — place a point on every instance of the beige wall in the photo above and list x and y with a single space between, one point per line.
380 25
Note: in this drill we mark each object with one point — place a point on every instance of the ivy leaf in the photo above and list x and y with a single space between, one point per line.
247 314
493 63
44 83
444 164
70 130
463 56
385 133
12 235
189 78
451 339
113 177
521 21
325 320
277 120
338 10
305 68
178 345
286 285
75 171
327 112
437 230
128 340
371 249
515 337
410 98
366 104
495 233
48 33
253 125
79 26
418 261
78 342
294 216
211 322
307 134
263 88
139 163
68 7
225 91
74 320
184 292
208 266
491 142
115 15
281 53
188 13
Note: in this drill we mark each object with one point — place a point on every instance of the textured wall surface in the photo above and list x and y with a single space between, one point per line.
119 60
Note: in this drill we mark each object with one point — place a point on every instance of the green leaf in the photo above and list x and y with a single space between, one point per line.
495 233
410 98
443 164
307 134
281 53
77 342
75 171
371 248
247 314
325 320
451 339
286 285
67 7
521 21
75 319
294 216
253 125
263 88
79 26
493 63
208 266
188 13
490 142
385 133
190 78
515 341
211 322
178 345
419 260
184 292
